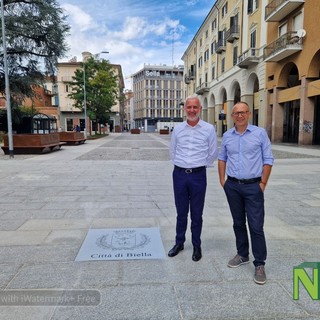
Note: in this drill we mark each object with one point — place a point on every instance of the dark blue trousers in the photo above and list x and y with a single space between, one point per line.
246 202
189 194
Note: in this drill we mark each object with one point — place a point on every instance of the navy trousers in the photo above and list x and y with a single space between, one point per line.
189 194
246 202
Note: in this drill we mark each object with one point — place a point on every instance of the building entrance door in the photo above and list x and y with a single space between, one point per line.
316 125
291 121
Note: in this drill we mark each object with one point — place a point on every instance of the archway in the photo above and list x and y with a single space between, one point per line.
289 78
314 74
236 92
205 109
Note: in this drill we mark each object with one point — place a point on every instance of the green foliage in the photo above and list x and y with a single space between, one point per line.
35 37
101 88
17 114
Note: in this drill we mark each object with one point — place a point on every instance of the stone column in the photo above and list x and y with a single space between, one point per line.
277 118
205 114
249 100
306 115
230 105
263 111
211 115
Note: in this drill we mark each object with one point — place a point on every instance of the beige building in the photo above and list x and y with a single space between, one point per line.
69 115
128 122
157 97
292 57
224 62
264 52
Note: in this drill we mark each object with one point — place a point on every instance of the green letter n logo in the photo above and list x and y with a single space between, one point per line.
312 287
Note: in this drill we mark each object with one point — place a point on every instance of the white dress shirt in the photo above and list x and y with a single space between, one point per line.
193 147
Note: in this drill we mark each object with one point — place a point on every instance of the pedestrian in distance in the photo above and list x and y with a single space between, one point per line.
193 148
246 159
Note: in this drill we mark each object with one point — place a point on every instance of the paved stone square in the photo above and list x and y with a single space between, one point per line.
50 201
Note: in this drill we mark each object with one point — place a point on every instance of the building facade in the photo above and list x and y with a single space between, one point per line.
292 58
43 104
263 52
128 121
70 115
157 96
224 62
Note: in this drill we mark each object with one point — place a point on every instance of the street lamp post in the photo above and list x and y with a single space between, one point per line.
85 94
8 102
84 100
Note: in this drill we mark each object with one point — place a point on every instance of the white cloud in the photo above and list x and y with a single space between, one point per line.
134 32
137 28
192 2
133 27
78 19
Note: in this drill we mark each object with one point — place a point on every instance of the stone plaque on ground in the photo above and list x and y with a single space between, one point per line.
121 244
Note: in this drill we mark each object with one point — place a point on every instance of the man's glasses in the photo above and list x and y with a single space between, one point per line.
240 113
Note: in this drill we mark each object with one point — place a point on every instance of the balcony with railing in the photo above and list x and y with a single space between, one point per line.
192 75
248 58
276 10
285 46
233 33
220 46
204 87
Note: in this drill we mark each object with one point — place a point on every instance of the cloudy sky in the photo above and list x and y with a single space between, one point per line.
134 32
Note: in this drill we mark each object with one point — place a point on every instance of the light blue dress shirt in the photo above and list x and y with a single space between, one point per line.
193 147
246 153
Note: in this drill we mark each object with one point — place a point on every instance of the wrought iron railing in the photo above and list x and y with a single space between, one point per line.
220 45
288 40
250 53
232 31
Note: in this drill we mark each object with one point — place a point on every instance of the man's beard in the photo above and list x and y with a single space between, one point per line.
193 118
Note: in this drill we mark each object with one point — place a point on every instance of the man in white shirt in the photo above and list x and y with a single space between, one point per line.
194 147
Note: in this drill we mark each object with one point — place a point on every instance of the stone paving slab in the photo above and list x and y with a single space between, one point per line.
16 238
10 225
55 224
139 302
38 254
8 271
11 216
240 300
23 313
66 275
73 237
50 201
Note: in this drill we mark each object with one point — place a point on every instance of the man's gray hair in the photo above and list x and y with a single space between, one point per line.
193 96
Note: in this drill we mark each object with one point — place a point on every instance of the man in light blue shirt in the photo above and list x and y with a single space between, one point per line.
246 158
193 148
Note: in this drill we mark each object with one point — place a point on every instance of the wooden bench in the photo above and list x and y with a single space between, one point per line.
33 143
164 131
135 131
70 137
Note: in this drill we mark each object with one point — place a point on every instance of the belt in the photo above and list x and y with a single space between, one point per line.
193 170
244 181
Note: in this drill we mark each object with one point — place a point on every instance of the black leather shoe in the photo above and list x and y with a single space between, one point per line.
197 254
175 250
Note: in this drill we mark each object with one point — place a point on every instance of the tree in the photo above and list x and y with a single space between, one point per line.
35 36
101 88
